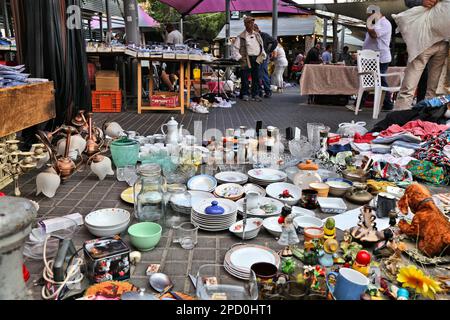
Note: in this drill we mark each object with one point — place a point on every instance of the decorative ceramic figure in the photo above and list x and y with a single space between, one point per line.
329 230
48 183
289 234
102 167
362 262
114 130
326 256
366 230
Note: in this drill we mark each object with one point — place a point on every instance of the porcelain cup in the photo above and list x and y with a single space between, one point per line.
350 284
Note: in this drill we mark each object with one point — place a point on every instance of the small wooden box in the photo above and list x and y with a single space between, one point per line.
107 81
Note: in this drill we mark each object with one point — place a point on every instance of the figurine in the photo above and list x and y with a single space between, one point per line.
366 230
326 256
362 262
289 234
329 229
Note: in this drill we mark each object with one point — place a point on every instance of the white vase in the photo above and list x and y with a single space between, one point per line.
47 182
43 161
77 143
102 168
114 130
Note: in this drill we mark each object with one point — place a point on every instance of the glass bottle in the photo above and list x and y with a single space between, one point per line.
149 192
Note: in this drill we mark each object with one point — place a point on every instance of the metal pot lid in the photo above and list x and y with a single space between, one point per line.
138 295
16 214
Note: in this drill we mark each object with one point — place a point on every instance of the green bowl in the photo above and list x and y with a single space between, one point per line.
145 236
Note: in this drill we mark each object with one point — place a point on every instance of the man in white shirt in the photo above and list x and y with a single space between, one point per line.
168 75
433 58
249 50
378 38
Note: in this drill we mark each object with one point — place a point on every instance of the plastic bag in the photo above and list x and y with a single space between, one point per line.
421 27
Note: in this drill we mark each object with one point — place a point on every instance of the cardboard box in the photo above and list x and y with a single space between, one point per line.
107 81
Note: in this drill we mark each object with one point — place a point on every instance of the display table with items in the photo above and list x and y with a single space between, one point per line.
289 217
325 79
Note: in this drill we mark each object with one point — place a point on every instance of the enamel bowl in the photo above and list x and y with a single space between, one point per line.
275 190
338 186
303 222
202 183
252 228
272 226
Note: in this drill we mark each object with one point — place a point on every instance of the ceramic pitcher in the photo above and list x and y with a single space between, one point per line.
172 134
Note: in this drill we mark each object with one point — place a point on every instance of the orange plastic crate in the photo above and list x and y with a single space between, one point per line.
106 101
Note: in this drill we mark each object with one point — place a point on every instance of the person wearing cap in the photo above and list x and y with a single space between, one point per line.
270 44
432 61
378 38
249 50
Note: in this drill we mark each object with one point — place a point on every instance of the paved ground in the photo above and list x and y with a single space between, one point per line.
84 192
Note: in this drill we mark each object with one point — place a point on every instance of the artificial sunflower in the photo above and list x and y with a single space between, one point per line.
414 278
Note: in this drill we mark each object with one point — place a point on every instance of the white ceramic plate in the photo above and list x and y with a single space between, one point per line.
229 206
231 177
202 183
230 190
274 190
107 218
267 175
245 257
263 201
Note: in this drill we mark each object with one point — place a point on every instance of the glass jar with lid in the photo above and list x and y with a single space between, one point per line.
149 193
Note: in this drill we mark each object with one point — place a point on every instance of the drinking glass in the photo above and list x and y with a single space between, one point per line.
293 290
314 134
130 175
211 287
186 235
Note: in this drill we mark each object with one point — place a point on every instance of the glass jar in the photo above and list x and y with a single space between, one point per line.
177 205
149 191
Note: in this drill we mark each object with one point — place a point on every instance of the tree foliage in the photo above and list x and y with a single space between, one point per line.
199 27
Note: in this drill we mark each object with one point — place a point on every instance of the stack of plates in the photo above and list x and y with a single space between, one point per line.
264 177
239 259
230 191
210 222
231 177
276 205
180 203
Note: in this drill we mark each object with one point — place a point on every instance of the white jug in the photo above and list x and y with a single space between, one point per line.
172 134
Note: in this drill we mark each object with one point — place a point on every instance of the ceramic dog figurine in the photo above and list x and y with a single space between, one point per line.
429 224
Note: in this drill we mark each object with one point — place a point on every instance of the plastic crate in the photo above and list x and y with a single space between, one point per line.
106 101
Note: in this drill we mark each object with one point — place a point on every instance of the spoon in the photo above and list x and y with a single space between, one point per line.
162 283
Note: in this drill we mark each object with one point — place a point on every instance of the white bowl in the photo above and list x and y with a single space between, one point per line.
251 230
306 222
202 183
107 218
274 190
107 232
272 226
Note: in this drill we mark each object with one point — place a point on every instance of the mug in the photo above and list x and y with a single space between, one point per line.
309 199
350 284
266 276
252 201
385 204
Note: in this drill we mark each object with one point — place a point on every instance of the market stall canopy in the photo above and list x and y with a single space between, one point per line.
288 26
352 8
188 7
145 21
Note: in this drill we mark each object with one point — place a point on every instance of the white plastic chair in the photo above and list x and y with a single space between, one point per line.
370 79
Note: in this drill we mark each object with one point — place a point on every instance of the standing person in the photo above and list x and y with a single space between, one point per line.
434 56
169 74
269 46
327 56
346 57
313 56
249 50
281 64
378 38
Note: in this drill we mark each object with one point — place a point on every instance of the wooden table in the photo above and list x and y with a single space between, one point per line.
321 79
182 102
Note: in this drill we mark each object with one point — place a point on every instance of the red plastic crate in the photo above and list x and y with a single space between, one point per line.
106 101
168 99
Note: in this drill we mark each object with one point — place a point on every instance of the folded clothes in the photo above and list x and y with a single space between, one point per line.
407 145
380 148
402 136
361 147
422 129
367 138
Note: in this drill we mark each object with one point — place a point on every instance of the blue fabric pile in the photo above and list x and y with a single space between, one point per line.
12 76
